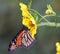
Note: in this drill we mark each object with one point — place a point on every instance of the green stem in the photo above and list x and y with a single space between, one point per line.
46 16
52 24
40 15
49 15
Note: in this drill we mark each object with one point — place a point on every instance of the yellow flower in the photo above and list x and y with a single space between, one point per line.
28 19
57 46
58 53
48 12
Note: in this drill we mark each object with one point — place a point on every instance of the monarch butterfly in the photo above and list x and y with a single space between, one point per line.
23 38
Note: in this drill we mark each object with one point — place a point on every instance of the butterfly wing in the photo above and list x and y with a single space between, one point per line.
27 39
16 41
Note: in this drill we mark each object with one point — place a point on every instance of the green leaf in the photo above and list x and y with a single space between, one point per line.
39 21
30 4
49 6
35 16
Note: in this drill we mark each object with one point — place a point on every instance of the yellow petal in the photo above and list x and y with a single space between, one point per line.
58 48
25 14
33 31
25 22
23 7
58 53
57 43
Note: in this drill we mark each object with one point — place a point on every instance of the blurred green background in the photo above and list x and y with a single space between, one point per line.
10 24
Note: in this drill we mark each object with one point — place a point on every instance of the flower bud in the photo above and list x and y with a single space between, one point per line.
48 12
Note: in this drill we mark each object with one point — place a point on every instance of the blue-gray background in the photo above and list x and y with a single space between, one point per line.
10 24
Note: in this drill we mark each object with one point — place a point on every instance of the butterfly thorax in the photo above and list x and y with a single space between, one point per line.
25 28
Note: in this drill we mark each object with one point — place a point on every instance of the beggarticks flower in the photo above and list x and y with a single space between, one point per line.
57 48
28 19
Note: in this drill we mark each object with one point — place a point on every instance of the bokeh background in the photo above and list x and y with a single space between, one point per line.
10 24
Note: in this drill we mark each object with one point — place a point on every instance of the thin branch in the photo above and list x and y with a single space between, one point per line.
52 24
49 15
40 15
